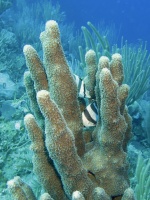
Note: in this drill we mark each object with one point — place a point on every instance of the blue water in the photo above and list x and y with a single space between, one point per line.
131 17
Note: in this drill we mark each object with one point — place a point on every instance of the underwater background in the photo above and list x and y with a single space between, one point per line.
131 18
119 26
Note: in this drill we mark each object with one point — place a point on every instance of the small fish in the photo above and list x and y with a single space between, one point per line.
82 91
90 115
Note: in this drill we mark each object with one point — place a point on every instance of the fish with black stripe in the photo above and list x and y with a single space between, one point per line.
82 91
90 113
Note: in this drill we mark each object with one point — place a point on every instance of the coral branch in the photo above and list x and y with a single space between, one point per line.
69 167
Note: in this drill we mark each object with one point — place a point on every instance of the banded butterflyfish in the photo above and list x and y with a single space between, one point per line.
90 113
82 91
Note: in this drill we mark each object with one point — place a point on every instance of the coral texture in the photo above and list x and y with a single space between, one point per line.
70 161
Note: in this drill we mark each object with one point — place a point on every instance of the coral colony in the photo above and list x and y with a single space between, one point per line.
73 161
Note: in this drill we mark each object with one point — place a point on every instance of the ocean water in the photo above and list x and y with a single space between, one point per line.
126 25
131 18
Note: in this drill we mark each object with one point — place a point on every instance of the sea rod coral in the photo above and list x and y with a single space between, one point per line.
70 161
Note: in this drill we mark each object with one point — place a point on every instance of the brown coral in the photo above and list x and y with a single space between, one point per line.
63 161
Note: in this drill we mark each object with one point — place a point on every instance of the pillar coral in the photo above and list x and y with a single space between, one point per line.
67 165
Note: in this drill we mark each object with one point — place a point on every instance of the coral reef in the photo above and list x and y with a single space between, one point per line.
70 161
136 59
30 21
